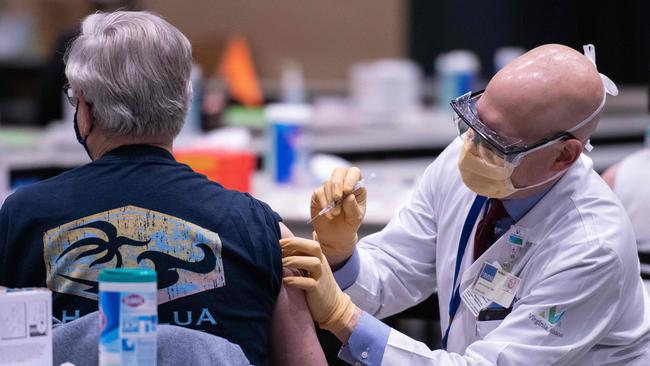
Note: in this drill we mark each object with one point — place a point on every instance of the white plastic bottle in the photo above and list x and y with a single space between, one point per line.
128 312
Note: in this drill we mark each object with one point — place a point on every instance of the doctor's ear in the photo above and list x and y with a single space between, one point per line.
567 154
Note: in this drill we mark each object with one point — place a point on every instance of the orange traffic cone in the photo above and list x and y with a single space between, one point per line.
239 71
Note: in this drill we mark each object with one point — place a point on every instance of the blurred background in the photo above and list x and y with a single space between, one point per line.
285 90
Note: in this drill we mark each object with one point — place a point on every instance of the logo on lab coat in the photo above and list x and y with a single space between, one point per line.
549 320
552 316
186 257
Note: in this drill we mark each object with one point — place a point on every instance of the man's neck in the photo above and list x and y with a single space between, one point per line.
100 144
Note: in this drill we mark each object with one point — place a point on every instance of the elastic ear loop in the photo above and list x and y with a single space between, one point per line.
589 51
608 86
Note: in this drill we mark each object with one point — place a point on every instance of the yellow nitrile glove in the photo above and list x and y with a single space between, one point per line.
336 231
329 306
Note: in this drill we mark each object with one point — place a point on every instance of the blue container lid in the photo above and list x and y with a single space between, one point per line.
127 275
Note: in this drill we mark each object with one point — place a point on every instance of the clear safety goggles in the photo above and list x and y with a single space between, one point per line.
512 149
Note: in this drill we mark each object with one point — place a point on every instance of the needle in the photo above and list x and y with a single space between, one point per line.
330 206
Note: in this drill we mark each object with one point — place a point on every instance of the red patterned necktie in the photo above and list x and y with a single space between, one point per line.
485 230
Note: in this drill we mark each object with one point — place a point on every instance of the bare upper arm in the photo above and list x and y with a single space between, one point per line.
293 335
284 231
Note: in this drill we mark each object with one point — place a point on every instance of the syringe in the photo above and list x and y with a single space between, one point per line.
330 206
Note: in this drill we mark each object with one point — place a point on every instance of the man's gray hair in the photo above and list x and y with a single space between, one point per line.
134 68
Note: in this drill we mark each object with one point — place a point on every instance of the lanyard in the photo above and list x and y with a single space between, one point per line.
454 302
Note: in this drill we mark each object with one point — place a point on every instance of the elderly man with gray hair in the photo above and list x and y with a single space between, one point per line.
215 250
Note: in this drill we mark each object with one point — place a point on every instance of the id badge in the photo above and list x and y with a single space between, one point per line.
473 301
496 285
517 236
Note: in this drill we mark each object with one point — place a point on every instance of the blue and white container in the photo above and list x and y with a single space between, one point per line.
457 72
288 146
128 312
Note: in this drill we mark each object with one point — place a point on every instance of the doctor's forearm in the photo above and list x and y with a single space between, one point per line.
344 334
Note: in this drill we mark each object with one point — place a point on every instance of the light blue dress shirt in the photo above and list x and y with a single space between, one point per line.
368 341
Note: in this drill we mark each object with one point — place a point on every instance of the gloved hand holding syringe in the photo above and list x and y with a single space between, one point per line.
360 184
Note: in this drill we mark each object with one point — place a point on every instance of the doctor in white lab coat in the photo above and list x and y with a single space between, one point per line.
532 255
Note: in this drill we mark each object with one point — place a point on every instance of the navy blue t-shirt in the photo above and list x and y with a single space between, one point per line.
215 250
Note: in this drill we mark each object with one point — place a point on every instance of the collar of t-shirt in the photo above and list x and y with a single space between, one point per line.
139 151
516 208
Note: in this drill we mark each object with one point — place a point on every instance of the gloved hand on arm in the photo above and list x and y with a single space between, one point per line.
328 305
336 231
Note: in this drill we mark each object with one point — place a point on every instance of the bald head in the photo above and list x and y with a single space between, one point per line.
547 90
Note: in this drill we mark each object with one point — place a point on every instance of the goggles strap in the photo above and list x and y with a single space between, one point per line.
608 86
591 116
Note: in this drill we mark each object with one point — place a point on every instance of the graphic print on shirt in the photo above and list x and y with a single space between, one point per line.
186 257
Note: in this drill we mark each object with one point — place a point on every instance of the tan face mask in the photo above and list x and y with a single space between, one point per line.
488 174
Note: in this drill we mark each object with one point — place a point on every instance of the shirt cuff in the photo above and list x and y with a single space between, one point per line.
367 343
347 275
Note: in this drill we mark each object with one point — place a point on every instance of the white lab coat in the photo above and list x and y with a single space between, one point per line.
581 259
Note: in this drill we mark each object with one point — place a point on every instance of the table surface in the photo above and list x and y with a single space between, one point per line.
618 135
391 187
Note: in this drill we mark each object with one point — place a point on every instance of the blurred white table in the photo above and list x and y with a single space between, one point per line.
390 188
436 134
24 149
